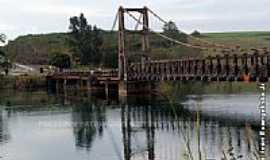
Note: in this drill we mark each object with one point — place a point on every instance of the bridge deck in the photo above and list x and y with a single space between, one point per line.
246 67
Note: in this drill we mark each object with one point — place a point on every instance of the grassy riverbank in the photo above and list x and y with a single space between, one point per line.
22 82
180 88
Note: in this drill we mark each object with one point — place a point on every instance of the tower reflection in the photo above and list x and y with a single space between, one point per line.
4 134
153 129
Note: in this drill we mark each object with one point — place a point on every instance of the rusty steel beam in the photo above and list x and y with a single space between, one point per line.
141 10
222 68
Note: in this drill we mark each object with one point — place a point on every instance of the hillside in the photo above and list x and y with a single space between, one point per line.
36 49
244 39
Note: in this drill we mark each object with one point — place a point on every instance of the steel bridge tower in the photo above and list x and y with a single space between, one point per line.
122 50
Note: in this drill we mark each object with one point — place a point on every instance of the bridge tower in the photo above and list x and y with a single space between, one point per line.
122 50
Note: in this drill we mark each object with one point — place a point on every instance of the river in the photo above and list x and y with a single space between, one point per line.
40 125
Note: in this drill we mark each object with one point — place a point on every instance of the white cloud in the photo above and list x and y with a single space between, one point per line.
207 15
59 10
6 27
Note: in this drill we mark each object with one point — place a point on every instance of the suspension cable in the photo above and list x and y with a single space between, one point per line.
115 21
113 26
137 24
192 37
154 14
166 37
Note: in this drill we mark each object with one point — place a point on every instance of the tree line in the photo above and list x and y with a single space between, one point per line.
85 40
4 61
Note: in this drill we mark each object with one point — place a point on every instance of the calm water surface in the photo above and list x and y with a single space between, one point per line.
43 126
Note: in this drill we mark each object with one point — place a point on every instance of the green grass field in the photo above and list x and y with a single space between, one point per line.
244 39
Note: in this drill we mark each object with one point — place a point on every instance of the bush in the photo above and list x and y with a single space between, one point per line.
196 33
60 60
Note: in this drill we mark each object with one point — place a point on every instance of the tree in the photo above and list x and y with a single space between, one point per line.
86 40
110 59
60 60
97 42
2 53
2 38
6 65
4 62
171 30
196 33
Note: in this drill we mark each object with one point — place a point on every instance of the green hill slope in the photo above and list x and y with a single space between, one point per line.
36 49
244 39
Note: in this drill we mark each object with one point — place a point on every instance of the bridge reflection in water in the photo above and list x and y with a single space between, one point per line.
4 135
161 131
134 128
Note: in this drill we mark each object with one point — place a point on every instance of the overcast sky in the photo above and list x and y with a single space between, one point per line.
20 17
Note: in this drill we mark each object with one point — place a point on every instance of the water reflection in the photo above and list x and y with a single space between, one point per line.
4 135
171 134
89 120
141 127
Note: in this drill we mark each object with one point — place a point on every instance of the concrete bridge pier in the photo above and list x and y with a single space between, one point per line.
65 84
107 90
122 88
57 85
78 84
81 83
51 85
65 87
88 85
125 88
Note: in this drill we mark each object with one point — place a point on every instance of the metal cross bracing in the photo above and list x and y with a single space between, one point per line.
246 67
122 51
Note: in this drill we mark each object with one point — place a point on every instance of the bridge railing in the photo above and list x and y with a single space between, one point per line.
220 67
85 73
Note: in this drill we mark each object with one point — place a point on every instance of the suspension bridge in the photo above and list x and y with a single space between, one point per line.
232 64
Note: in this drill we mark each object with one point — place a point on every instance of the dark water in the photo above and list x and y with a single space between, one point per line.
42 126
